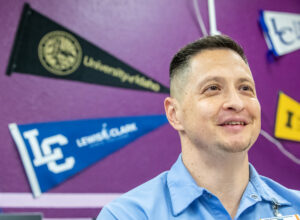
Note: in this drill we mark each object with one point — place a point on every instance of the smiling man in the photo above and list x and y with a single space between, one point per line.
214 107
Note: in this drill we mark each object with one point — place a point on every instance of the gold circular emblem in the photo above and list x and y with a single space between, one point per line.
60 53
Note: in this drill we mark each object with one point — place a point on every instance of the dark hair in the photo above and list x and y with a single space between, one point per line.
182 57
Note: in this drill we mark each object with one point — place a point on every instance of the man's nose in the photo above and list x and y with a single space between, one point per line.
233 101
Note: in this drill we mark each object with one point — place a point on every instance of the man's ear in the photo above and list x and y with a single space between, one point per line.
172 109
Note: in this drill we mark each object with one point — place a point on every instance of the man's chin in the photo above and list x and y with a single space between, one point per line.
235 147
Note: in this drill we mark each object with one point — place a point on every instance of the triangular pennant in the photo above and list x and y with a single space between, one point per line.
53 152
280 31
45 48
287 124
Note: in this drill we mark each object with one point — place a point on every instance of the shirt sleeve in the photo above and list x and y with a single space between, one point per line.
106 214
119 211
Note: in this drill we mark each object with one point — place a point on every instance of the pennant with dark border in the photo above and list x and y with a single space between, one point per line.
45 48
280 31
53 152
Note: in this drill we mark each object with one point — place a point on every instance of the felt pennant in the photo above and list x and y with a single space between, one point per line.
281 31
287 124
43 47
53 152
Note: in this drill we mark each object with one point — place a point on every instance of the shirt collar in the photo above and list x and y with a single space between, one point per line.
265 191
183 188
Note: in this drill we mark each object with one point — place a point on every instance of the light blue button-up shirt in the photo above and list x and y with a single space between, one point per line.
175 195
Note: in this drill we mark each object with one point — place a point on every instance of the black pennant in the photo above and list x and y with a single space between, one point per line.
45 48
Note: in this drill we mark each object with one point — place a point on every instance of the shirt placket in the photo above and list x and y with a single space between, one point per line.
249 199
213 205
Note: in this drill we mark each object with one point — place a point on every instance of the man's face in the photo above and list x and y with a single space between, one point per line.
219 109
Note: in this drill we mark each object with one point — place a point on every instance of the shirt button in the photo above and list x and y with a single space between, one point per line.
253 196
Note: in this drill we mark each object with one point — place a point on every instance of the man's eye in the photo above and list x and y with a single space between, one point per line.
213 88
246 88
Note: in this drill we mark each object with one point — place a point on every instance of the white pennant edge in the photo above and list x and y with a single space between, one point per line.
15 132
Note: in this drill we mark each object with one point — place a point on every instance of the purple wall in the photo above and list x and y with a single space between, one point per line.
145 34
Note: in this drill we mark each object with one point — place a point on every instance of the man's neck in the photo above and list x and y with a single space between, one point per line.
226 175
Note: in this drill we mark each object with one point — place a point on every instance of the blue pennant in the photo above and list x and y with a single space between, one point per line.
53 152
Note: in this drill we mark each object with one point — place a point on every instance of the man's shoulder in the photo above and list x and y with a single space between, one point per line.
139 202
150 190
291 195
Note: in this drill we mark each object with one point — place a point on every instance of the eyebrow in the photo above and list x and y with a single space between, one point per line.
245 79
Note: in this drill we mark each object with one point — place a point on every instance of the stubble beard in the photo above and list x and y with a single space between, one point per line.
235 147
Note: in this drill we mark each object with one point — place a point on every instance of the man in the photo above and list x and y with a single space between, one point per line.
214 108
